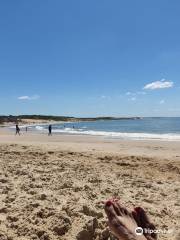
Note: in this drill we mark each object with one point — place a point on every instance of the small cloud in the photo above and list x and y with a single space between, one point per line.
105 97
34 97
162 101
159 85
135 93
133 99
23 98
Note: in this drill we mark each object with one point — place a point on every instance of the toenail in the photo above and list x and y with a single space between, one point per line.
108 203
138 209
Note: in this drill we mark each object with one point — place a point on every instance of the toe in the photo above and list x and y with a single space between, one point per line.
117 208
136 218
144 222
121 210
109 209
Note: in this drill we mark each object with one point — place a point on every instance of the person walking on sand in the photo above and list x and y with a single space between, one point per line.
17 130
50 130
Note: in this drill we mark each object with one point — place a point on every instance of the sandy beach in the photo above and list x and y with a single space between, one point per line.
53 187
89 120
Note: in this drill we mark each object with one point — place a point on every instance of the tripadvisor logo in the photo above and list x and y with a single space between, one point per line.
140 231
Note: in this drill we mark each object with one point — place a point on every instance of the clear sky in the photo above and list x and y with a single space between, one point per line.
90 57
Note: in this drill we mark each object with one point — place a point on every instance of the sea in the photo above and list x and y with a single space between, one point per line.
161 128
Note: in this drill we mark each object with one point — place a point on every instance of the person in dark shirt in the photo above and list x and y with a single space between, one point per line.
50 130
17 130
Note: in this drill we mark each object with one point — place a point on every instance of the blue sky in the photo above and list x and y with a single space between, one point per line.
90 58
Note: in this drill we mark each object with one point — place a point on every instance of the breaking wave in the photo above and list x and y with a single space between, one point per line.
121 135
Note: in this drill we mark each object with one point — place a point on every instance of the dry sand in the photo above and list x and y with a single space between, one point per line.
52 187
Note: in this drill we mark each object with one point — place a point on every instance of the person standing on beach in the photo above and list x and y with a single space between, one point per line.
50 130
17 130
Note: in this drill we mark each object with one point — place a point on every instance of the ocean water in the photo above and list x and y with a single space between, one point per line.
139 129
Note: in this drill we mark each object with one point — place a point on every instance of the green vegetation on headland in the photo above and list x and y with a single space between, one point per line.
20 118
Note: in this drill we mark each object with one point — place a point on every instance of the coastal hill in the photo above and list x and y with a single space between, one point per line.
48 118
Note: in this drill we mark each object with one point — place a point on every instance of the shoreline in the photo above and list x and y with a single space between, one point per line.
99 143
116 136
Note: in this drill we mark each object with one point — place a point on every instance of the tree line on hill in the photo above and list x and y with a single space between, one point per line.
20 118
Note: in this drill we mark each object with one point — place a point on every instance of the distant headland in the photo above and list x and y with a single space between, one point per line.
24 119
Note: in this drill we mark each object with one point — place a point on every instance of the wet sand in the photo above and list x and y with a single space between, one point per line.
52 187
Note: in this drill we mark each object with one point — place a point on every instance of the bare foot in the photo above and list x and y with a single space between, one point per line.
123 223
143 221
